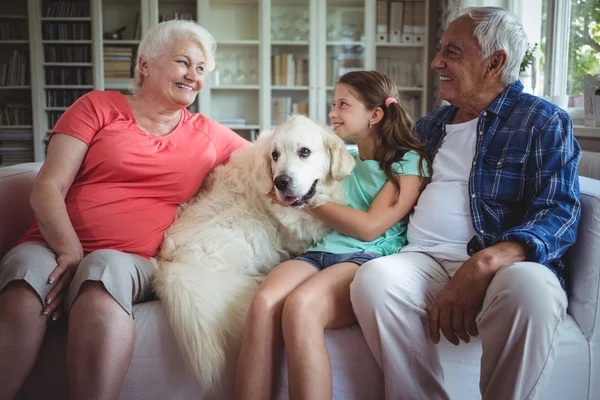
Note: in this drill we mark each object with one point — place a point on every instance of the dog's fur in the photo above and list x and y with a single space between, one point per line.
231 234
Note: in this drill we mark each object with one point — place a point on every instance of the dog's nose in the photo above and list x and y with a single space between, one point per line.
282 182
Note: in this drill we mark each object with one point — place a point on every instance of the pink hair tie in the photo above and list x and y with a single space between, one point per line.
389 101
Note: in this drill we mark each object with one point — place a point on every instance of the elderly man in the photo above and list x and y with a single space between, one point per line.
487 234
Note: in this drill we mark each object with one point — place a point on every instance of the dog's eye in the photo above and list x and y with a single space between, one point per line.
274 155
304 152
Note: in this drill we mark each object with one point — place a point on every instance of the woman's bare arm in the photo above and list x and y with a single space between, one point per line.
63 160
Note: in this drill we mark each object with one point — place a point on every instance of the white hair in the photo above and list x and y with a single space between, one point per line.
159 37
499 29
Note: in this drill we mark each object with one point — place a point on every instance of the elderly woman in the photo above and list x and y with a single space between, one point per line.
117 167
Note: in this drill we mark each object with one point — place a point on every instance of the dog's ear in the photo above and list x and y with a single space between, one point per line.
261 164
342 162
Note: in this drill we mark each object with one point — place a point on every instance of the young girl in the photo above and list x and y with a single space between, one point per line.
390 171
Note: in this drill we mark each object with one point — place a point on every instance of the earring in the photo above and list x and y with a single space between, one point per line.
370 126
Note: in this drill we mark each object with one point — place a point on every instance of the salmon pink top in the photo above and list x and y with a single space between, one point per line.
126 192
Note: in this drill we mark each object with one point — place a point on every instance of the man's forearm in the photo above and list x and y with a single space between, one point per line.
500 255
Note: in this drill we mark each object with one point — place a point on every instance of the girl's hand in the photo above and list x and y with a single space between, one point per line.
62 275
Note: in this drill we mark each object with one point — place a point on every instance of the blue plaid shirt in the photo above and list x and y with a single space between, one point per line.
523 185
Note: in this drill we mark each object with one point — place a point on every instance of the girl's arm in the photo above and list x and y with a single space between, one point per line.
384 212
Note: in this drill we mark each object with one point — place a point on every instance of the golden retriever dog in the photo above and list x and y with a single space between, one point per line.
232 233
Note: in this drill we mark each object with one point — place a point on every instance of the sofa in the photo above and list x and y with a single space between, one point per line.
158 371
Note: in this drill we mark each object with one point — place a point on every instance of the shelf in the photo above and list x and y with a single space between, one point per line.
582 131
289 87
409 45
68 86
66 42
242 127
289 42
15 87
4 127
121 42
236 87
344 43
68 64
66 19
20 41
237 43
118 83
9 16
410 89
56 108
16 136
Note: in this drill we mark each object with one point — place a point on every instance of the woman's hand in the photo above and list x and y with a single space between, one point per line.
63 274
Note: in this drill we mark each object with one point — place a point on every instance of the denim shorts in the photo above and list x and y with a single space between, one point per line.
321 260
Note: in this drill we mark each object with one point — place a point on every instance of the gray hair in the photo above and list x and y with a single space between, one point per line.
159 37
499 29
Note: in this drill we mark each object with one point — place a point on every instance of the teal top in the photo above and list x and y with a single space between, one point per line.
361 187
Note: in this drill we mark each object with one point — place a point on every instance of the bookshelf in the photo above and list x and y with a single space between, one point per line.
65 36
303 46
16 119
274 57
401 48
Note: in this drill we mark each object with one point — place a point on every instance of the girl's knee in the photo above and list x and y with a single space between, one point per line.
302 310
265 302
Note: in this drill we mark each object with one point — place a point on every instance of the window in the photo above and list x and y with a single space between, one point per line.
584 47
565 37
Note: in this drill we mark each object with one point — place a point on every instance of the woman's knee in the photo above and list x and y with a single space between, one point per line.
107 277
18 299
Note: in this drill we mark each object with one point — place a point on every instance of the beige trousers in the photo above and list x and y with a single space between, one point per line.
518 325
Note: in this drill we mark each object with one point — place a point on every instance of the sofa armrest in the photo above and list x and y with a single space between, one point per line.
583 261
15 212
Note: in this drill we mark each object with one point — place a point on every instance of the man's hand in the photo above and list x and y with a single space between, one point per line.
458 303
67 263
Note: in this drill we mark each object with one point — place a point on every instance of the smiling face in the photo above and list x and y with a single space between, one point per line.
462 71
348 114
177 75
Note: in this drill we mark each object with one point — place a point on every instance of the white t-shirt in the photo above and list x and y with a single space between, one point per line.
441 223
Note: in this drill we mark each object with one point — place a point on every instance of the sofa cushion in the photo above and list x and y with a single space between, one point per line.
583 260
15 213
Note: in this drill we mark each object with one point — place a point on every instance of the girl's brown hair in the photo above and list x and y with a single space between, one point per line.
373 88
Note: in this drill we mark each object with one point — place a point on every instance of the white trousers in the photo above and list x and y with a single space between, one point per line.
518 325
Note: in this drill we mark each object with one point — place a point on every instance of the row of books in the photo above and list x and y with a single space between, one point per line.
61 53
411 104
69 76
13 29
65 9
400 21
342 64
118 62
53 117
403 73
63 97
66 31
15 113
15 72
283 107
175 15
288 71
15 155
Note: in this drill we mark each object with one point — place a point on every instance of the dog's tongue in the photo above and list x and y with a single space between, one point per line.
290 199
